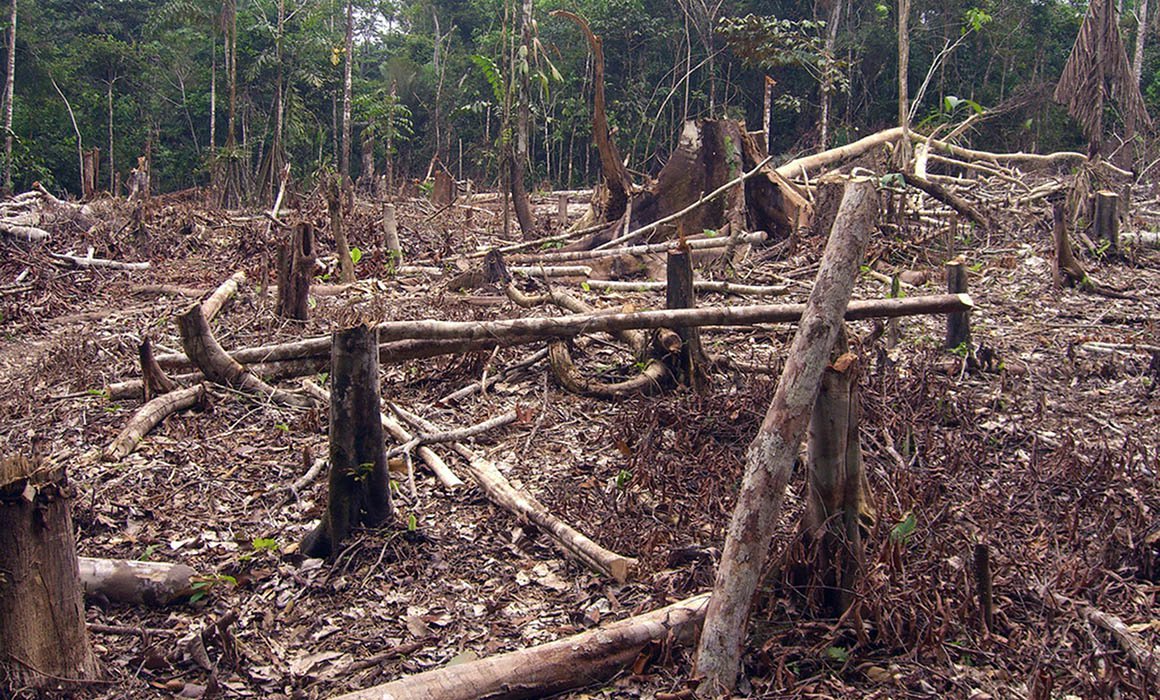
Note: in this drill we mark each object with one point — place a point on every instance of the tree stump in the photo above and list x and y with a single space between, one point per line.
690 361
838 490
444 193
43 639
562 211
958 323
1106 219
296 263
359 483
391 236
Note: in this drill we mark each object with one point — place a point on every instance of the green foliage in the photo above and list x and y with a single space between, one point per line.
204 585
902 531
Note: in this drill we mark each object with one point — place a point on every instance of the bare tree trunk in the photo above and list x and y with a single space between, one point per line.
904 147
296 262
359 491
112 158
772 453
344 165
232 70
519 163
827 70
9 85
43 639
1141 40
213 95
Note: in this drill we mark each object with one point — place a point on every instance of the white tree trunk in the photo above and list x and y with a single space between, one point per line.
9 84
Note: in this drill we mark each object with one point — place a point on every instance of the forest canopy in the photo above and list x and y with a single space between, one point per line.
429 78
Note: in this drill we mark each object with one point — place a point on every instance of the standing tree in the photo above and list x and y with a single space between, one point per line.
348 44
1098 70
902 160
9 83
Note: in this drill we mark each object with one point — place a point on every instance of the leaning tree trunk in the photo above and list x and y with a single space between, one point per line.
43 639
772 452
359 492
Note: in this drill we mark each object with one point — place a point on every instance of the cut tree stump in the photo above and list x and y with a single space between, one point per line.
359 490
959 322
690 363
391 236
154 381
43 639
1106 219
297 261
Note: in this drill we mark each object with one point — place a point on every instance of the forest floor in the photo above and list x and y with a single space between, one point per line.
1050 457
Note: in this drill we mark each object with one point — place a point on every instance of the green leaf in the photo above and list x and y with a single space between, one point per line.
901 532
356 254
585 286
838 654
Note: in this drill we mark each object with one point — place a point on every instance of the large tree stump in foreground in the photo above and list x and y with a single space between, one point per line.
359 484
43 639
296 261
771 455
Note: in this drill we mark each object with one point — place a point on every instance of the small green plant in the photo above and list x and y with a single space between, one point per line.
622 479
551 245
362 472
148 553
322 377
412 523
839 654
203 585
585 286
977 267
1103 248
901 532
427 187
963 349
283 427
356 254
264 544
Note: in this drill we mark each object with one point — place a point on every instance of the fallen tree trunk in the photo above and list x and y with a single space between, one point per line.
151 583
711 286
953 201
78 261
841 154
201 346
693 243
270 371
1149 239
150 416
573 662
568 326
211 306
524 506
430 338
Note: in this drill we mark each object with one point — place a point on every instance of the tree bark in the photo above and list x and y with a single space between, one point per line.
9 86
959 323
827 87
359 491
902 156
573 662
296 263
772 453
1141 40
154 381
391 236
344 166
338 230
680 293
1106 220
43 639
225 291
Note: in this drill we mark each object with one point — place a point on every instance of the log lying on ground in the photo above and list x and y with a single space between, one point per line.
78 261
150 416
524 506
201 346
438 467
1149 239
573 662
841 154
137 582
270 371
416 339
569 326
712 286
26 234
211 306
1146 657
693 243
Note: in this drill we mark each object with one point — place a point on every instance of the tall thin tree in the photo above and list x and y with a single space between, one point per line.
344 163
9 85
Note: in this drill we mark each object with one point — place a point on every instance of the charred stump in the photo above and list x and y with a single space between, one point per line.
359 485
43 639
296 262
689 361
